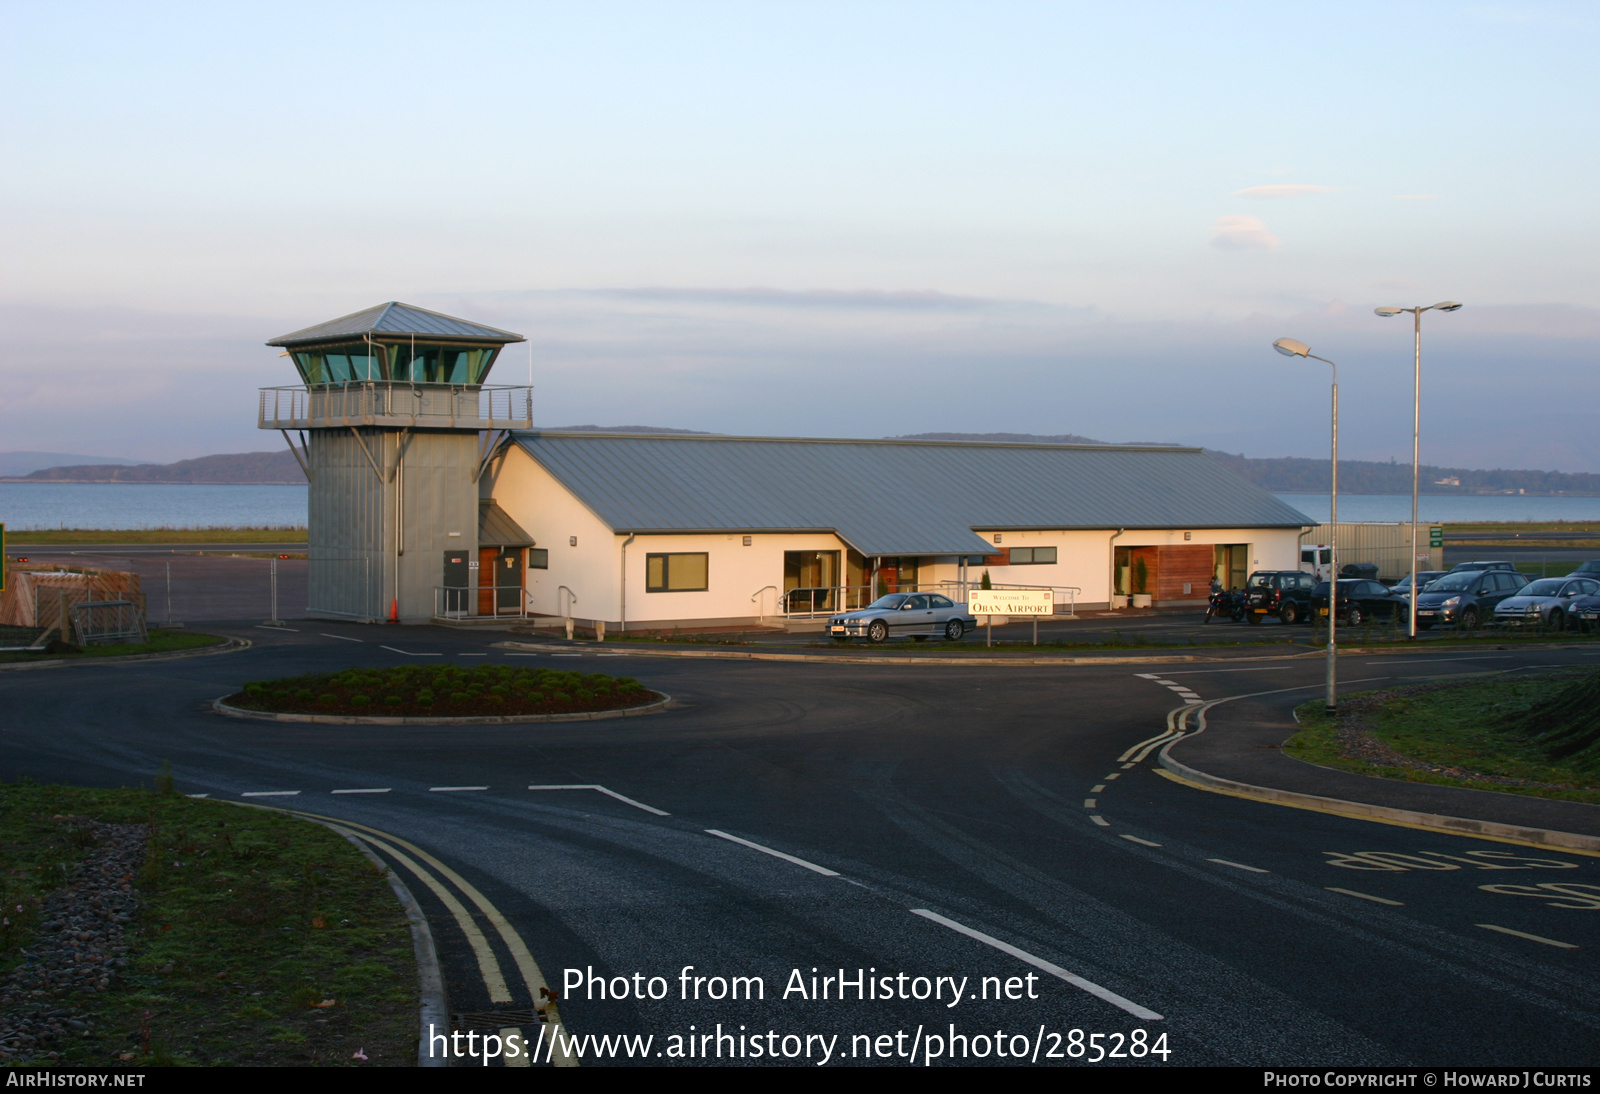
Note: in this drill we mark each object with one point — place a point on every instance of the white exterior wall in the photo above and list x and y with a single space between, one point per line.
735 574
550 514
545 509
593 569
1083 558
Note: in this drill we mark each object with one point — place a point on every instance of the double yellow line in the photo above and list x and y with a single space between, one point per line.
488 964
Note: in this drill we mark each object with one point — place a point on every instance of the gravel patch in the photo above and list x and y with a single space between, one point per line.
79 946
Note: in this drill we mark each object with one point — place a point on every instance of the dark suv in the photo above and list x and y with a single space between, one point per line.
1283 593
1466 597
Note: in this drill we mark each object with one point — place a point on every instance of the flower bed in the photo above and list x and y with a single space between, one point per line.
421 691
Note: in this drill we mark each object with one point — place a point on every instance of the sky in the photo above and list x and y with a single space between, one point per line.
854 219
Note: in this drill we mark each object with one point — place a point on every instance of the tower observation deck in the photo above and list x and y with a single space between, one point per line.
395 424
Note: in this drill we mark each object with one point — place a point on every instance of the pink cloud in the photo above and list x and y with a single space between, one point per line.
1240 233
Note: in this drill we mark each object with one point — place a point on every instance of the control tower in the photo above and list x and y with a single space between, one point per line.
395 425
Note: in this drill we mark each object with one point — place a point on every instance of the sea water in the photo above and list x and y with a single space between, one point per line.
47 505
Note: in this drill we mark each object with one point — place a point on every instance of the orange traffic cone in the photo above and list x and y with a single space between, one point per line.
394 610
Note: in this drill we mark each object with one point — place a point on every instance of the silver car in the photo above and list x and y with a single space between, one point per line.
904 615
1544 603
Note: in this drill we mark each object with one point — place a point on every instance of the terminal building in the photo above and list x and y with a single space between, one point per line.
432 497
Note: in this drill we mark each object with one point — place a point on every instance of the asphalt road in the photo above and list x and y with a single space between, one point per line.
975 823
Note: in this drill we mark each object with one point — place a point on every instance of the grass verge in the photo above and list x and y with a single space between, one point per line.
250 922
1459 733
421 691
161 641
65 536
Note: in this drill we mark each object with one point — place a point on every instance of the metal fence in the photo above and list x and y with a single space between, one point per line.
107 622
357 403
482 602
1387 546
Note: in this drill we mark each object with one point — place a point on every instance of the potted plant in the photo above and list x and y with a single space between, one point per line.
1141 578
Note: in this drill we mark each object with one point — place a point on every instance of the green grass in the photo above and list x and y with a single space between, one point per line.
1466 731
247 918
154 535
161 641
421 691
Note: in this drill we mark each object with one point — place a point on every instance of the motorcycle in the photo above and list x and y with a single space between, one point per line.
1225 605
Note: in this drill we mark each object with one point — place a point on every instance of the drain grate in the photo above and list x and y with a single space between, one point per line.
495 1020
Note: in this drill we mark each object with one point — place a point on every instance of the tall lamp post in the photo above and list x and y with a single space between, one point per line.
1416 432
1289 347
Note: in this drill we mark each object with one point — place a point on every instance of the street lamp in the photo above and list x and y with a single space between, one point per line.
1416 432
1289 347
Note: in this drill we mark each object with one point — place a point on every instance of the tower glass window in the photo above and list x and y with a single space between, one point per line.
422 363
427 363
338 364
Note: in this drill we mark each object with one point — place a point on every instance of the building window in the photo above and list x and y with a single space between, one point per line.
538 558
675 573
1033 556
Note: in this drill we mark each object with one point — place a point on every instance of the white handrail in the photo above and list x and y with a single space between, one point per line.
761 615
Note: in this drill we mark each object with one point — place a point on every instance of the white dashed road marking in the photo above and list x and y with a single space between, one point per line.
372 790
1141 842
1101 821
823 870
408 653
603 790
452 789
1239 866
1529 937
1365 896
1040 963
340 637
270 794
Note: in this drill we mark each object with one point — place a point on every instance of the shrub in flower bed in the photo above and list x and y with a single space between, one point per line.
422 691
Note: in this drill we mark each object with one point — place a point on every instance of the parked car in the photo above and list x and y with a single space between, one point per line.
1360 602
904 615
1590 567
1367 571
1585 612
1545 603
1466 597
1500 564
1283 593
1424 577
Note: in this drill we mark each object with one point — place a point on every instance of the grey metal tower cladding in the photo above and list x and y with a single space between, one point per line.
395 424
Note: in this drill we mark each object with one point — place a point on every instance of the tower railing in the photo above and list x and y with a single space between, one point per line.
396 405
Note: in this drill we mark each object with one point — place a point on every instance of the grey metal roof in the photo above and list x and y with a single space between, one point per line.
397 320
896 497
497 529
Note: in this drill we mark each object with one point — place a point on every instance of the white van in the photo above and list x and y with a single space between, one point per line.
1316 560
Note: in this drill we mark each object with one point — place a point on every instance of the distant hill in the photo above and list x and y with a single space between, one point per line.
625 429
25 463
243 468
1293 475
1283 475
1014 438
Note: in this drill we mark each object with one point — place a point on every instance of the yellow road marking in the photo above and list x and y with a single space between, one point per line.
1225 792
488 966
521 1058
526 965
